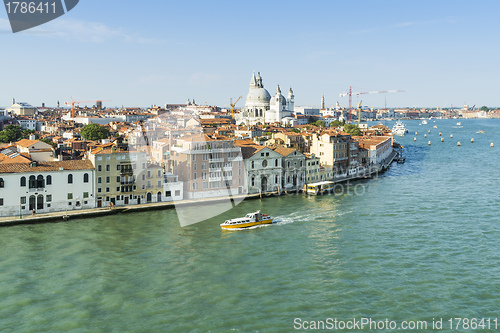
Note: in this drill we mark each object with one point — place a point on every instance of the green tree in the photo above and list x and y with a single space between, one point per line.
335 123
320 123
94 132
13 133
352 129
295 130
484 108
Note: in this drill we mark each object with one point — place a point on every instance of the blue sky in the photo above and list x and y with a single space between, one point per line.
140 53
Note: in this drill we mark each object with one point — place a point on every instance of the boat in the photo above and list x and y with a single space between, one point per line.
424 122
399 128
250 220
319 188
480 132
435 126
459 124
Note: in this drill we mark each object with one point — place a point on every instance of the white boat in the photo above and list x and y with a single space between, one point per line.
424 122
459 124
399 128
319 188
250 220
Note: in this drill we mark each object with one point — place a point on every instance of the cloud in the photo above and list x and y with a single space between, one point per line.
88 32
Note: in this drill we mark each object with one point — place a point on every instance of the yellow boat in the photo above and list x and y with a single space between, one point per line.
250 220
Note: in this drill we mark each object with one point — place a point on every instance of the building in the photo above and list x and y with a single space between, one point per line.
261 108
331 147
22 109
294 168
46 187
124 177
38 150
209 165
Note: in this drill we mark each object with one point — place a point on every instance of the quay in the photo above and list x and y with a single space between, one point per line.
55 217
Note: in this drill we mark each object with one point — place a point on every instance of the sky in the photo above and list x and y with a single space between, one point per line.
143 53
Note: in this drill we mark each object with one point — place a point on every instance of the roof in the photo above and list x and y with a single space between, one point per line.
284 151
47 166
27 143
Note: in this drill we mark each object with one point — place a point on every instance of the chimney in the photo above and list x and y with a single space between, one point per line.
32 137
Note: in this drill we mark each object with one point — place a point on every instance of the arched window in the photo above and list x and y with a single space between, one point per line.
253 164
40 183
70 179
85 177
48 181
253 181
2 185
32 183
23 181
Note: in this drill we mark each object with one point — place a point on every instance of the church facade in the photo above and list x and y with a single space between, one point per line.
261 108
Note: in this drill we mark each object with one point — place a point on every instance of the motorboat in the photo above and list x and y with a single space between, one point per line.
250 220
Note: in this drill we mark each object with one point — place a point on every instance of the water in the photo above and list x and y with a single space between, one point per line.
420 242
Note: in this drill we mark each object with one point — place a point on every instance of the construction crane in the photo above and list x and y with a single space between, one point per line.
78 102
350 93
359 112
233 104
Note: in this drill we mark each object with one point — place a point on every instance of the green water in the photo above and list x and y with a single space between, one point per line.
420 242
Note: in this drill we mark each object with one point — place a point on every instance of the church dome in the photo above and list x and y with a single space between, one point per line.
258 96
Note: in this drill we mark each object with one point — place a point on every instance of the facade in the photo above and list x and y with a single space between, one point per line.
123 177
379 148
294 168
264 169
209 165
46 187
332 149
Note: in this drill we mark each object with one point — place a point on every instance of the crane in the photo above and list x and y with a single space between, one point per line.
359 112
350 93
78 102
233 104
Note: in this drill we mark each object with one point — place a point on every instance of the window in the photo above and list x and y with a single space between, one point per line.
177 193
108 167
253 165
168 194
85 194
48 198
23 181
159 183
1 183
32 183
118 189
40 182
85 177
48 180
99 190
159 173
99 168
143 177
23 200
107 189
118 167
99 158
108 179
70 196
99 180
117 179
70 179
1 201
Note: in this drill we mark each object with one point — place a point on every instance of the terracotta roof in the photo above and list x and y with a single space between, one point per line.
249 151
284 151
47 166
26 143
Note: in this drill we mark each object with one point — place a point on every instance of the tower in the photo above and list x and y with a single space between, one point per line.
290 101
323 102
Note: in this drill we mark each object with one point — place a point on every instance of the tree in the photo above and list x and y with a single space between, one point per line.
352 129
320 123
94 132
335 123
484 108
13 133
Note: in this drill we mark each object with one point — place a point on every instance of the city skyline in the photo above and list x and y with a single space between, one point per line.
441 54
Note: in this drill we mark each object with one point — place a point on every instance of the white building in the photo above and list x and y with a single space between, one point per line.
261 108
173 188
46 187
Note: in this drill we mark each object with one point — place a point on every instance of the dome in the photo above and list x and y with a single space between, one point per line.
257 97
